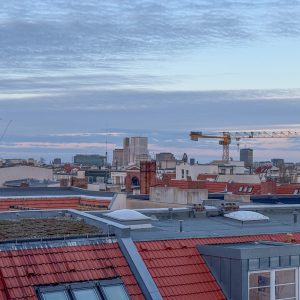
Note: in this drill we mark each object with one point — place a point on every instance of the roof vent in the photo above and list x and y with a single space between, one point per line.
247 216
131 218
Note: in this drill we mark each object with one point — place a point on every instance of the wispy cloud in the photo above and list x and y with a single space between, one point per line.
71 70
99 42
46 145
88 134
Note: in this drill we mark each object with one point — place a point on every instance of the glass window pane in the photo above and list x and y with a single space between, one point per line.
61 295
259 294
284 276
285 291
115 292
85 294
259 279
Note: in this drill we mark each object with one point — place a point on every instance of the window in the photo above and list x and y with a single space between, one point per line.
285 284
273 285
296 192
182 173
241 188
245 189
83 294
113 292
250 189
259 286
112 289
59 295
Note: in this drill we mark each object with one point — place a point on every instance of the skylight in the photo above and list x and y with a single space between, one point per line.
127 215
245 216
99 290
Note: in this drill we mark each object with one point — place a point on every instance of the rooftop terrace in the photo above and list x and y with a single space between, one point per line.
45 227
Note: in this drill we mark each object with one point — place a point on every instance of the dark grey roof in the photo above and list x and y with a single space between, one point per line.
51 191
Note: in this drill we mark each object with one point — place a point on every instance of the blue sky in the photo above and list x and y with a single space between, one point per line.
72 70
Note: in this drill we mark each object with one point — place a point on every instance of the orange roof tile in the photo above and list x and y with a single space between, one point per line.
181 273
52 203
21 270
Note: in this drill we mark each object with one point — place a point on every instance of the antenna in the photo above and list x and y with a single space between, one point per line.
5 130
106 153
106 149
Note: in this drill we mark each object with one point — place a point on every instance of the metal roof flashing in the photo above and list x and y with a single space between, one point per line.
248 250
231 263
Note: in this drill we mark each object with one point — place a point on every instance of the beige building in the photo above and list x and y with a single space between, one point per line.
24 172
185 170
176 195
138 149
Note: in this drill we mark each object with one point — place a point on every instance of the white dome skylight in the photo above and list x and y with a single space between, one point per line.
126 215
245 216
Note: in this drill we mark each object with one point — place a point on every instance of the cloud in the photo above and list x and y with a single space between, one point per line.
146 111
104 35
75 68
88 134
49 145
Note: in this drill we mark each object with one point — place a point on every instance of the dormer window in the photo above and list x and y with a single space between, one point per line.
274 284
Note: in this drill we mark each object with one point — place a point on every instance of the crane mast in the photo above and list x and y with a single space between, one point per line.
226 136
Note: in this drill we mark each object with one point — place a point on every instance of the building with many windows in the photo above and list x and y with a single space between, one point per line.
90 160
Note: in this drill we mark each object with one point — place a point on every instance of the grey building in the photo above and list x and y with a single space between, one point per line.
118 158
97 176
57 161
164 156
126 156
246 155
278 162
165 160
90 159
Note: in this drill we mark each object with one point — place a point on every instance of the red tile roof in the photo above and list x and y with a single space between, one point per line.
287 189
20 270
205 176
53 203
180 272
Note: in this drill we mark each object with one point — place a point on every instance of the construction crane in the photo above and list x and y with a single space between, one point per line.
226 137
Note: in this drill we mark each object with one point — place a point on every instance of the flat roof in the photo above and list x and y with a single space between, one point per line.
51 191
219 226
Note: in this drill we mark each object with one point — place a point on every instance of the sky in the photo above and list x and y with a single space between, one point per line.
78 76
